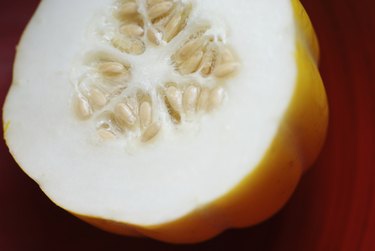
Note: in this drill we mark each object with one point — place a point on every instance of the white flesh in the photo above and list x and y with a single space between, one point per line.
184 168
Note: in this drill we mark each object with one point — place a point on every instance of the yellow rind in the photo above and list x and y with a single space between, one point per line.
265 190
6 127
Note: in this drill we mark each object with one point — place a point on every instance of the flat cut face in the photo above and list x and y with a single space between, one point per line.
154 71
142 111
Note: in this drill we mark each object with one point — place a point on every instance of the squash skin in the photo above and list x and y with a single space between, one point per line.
297 144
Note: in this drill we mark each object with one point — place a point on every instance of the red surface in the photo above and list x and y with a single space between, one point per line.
332 209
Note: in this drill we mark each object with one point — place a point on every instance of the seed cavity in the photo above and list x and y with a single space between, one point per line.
108 95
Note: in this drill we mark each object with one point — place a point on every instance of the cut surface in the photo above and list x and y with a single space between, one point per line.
142 82
97 164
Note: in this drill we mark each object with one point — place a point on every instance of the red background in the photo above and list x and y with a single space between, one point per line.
332 209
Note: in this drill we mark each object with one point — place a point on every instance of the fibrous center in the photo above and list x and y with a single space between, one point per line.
163 64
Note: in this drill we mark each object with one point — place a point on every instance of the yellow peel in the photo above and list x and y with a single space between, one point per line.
6 127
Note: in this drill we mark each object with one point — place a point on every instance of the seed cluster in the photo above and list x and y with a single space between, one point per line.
142 26
203 54
183 102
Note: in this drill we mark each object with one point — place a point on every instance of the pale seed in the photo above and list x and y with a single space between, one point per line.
153 2
174 98
208 63
226 56
106 134
130 46
137 48
132 30
172 27
112 69
190 97
83 108
127 9
216 98
125 114
225 70
145 114
159 9
154 36
191 65
97 98
203 99
132 103
150 132
189 48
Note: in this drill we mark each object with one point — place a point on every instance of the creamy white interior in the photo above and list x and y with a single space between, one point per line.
182 170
